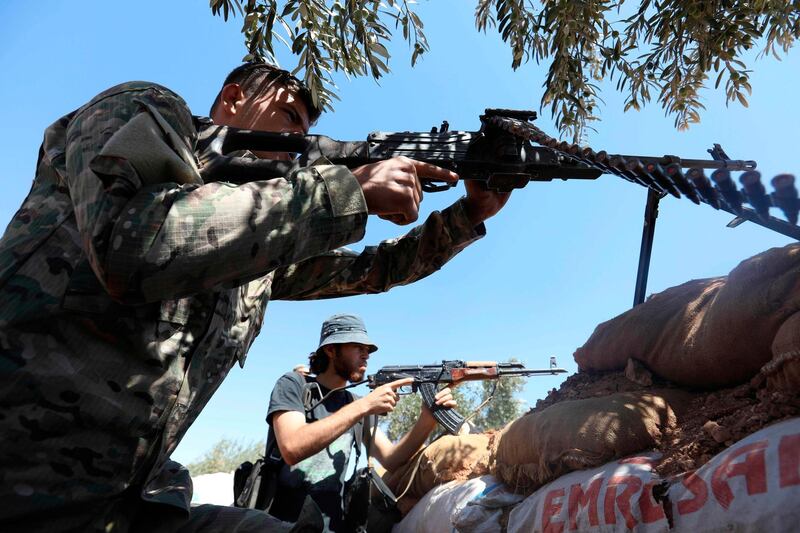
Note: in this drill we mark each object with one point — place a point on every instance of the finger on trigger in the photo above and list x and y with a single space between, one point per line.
429 171
396 384
418 187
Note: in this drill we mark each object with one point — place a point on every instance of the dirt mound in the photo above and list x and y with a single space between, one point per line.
711 422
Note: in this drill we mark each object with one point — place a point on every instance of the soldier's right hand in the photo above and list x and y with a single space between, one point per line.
393 187
383 399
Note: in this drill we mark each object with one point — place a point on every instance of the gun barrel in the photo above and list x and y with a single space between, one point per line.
531 372
730 164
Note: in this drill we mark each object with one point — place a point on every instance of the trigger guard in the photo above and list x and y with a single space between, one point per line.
427 186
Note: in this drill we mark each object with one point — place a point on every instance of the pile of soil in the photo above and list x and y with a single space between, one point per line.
712 421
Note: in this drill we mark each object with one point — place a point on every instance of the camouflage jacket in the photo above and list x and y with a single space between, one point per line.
129 288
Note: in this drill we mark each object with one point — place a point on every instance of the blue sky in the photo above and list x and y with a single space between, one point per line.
560 258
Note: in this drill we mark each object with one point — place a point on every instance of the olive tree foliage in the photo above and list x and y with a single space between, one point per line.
503 407
662 50
349 36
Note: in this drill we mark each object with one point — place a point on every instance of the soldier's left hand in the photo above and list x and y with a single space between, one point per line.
482 204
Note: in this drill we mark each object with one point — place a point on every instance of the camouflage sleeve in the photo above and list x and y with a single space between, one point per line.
152 230
393 262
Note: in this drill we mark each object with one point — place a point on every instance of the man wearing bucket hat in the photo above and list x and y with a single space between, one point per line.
315 423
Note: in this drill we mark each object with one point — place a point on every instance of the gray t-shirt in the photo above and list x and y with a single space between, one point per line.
322 475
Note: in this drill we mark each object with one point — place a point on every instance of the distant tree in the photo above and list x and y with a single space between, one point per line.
665 49
225 455
405 414
504 406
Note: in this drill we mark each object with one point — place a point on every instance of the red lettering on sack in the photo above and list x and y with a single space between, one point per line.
789 460
623 501
651 510
753 467
697 487
551 509
579 498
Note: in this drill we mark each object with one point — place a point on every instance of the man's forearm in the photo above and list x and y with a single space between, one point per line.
408 444
394 262
310 439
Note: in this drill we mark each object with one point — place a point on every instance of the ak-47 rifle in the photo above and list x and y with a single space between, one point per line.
502 155
427 378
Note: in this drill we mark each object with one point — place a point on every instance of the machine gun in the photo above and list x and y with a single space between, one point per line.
502 155
428 377
508 152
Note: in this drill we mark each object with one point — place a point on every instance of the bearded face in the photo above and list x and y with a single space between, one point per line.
350 361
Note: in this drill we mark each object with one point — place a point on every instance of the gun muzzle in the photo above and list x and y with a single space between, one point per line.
704 187
785 196
756 193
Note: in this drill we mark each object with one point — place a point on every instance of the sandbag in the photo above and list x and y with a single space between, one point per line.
618 496
435 511
783 370
579 434
706 333
752 486
452 457
487 512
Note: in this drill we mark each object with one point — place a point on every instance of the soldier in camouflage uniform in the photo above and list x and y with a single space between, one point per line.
130 288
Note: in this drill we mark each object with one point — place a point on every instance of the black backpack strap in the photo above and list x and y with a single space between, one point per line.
312 395
359 430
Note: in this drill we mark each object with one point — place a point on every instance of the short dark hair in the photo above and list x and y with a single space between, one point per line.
318 361
253 74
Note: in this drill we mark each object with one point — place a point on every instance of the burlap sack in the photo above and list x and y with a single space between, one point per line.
706 333
542 446
783 371
445 459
